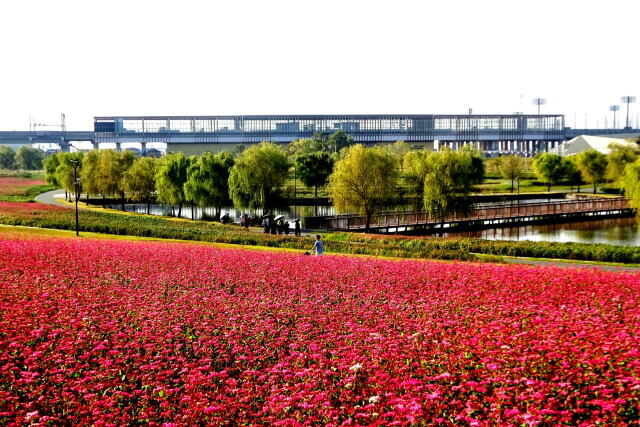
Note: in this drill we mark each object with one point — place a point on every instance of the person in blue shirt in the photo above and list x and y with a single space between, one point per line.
318 247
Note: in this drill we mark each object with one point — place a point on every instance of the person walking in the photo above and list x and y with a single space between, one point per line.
318 247
297 227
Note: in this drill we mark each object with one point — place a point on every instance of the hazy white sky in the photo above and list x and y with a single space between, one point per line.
87 58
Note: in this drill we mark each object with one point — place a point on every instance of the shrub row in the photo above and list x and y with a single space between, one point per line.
35 215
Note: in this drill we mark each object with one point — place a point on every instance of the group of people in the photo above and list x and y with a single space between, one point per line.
278 225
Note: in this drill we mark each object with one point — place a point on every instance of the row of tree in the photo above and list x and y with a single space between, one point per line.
25 157
360 179
589 166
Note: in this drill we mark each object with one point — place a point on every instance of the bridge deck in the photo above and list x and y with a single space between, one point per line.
482 217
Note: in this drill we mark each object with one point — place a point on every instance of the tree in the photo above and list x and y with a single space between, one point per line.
364 180
314 169
208 181
592 165
170 180
51 163
548 168
29 158
64 175
619 156
571 172
7 157
630 184
139 181
414 172
450 178
511 168
112 168
90 174
257 178
338 140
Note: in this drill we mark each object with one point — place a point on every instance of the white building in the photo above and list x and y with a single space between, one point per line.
588 142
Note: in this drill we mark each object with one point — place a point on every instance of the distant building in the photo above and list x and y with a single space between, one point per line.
586 142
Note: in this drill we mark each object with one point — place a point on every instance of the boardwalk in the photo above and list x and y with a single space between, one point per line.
484 216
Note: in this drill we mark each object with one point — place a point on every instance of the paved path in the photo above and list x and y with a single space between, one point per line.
55 197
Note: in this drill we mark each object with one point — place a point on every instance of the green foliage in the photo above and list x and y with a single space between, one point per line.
314 169
7 157
450 178
111 170
619 157
51 163
64 175
592 165
171 178
548 167
258 176
139 181
364 181
90 174
571 172
338 140
348 243
630 184
414 171
511 167
29 158
208 180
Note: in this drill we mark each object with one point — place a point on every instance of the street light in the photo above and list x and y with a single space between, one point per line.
614 108
75 163
628 100
539 102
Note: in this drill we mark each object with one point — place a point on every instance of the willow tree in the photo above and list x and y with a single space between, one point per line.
363 181
111 170
170 179
592 165
208 181
258 176
451 176
549 168
630 184
140 180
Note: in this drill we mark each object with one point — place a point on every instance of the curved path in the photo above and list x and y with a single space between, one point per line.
55 197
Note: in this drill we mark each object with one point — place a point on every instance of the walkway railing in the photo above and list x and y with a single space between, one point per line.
488 214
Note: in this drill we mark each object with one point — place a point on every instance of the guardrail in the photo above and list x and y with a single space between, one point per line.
484 213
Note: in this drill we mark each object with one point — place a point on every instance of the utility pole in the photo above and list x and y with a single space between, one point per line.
75 164
614 108
628 100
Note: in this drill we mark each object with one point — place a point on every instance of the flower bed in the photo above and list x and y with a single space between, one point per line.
99 332
22 189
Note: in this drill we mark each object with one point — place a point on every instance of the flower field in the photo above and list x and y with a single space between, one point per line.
119 332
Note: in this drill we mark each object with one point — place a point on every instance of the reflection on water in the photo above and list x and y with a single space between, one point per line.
209 213
616 231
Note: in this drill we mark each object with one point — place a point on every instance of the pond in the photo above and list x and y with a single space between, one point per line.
615 231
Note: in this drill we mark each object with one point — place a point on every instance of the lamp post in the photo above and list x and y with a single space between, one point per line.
75 164
614 108
628 100
539 102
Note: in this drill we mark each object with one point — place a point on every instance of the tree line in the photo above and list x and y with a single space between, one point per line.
25 157
364 180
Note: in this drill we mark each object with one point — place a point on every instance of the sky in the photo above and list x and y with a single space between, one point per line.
136 57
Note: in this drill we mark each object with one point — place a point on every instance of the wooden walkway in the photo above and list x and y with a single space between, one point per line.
484 217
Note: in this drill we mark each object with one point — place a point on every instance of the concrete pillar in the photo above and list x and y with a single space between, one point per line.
96 146
118 147
143 148
64 147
